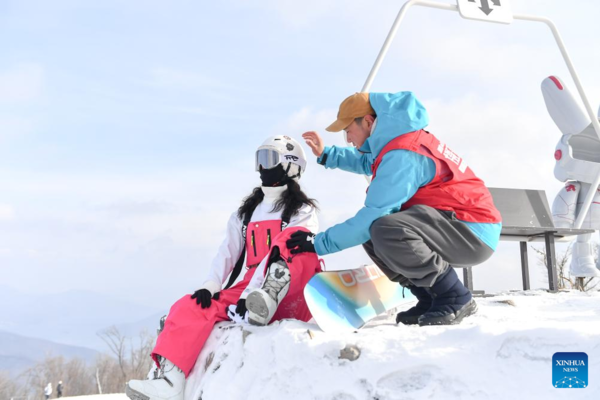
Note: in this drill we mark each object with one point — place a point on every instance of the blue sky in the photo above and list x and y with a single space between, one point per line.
127 129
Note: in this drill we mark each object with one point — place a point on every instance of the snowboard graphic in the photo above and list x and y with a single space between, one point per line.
346 300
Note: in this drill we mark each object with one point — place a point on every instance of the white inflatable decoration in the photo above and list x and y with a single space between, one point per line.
577 164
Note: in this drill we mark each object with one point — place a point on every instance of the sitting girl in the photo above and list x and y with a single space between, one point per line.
273 284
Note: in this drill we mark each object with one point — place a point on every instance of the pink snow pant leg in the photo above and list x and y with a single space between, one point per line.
302 267
188 326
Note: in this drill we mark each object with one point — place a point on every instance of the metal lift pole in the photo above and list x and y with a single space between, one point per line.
451 7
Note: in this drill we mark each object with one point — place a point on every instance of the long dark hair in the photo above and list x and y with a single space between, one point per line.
292 199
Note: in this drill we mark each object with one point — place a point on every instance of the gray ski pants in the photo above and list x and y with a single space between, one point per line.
416 245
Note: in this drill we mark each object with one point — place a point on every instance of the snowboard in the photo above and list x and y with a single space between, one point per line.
346 300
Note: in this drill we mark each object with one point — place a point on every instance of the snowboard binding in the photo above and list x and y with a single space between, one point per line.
263 302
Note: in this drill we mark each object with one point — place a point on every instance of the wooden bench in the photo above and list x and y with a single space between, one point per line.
526 217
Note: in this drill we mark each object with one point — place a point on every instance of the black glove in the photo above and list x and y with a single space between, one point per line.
241 307
301 242
203 297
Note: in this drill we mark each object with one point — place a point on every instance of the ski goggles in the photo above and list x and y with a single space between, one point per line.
267 158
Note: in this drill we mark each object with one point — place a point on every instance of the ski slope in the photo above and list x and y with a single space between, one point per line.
503 352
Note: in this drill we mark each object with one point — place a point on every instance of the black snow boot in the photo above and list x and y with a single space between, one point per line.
411 316
452 301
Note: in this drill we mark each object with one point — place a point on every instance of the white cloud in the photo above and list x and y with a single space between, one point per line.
21 84
302 13
139 208
305 119
297 14
180 79
13 126
186 208
463 55
7 212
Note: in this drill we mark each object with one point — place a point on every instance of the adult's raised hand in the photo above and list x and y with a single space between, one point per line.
315 142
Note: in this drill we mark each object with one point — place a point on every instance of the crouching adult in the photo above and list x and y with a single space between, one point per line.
425 212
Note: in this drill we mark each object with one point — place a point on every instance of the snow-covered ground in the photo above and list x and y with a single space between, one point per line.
503 352
112 396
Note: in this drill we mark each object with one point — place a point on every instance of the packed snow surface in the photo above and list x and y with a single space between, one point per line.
503 352
112 396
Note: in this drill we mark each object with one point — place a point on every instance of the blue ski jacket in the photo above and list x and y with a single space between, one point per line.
400 174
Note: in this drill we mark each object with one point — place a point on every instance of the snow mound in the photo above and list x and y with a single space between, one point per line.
504 350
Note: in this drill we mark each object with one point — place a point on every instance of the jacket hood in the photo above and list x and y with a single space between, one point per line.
397 114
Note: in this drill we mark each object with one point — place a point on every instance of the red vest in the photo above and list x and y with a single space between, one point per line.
454 187
259 238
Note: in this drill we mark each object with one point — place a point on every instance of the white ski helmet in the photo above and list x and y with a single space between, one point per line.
282 150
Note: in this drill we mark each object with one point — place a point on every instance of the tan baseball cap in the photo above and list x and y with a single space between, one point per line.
355 106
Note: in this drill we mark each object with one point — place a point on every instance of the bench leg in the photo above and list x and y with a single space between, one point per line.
551 262
468 278
524 266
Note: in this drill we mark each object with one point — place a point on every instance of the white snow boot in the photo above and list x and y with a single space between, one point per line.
582 260
167 383
262 303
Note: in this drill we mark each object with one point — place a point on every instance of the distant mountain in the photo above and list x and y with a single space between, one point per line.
74 317
150 324
18 353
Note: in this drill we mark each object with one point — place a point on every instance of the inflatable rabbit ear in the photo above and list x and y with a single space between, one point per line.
564 110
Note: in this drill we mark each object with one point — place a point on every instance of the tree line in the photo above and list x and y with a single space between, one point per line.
128 358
